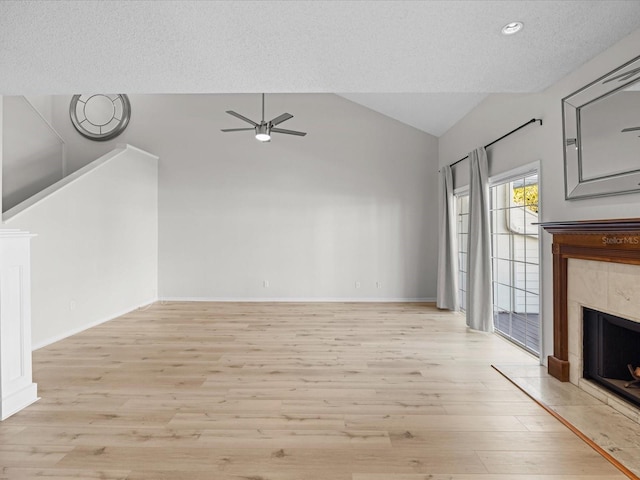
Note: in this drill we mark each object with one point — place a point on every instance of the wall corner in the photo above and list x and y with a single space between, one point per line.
1 148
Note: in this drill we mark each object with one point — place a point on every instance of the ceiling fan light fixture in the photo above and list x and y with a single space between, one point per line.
262 133
264 129
511 28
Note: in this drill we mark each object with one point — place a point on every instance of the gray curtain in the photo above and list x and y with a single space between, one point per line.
479 297
447 296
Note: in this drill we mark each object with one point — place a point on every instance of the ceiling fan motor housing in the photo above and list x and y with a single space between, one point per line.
263 132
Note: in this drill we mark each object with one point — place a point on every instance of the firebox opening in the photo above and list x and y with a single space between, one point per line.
610 344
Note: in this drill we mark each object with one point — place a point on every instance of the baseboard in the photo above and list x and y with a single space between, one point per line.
16 401
300 299
82 328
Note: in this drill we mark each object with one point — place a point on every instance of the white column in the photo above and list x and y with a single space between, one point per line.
17 389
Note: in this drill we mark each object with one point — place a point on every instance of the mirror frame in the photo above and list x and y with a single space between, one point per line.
615 183
109 134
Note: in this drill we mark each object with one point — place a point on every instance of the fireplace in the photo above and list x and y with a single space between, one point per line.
604 256
611 352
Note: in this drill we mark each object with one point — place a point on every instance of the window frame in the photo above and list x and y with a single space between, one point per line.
510 176
462 268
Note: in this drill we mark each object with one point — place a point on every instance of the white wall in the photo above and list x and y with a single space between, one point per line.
33 153
1 148
95 254
501 113
43 104
353 201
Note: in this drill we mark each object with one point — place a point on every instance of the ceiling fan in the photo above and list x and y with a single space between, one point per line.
264 129
630 129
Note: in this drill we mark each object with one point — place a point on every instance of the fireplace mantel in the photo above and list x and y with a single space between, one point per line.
615 241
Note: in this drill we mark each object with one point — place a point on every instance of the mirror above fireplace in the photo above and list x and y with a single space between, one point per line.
602 135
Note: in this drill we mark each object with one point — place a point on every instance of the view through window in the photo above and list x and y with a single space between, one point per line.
462 209
515 260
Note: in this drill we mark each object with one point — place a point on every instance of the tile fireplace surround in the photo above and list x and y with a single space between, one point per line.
596 264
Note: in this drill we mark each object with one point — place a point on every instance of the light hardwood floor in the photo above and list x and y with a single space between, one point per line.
287 392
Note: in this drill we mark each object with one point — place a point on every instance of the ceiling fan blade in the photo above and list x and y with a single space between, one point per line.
631 129
288 132
241 117
281 118
235 129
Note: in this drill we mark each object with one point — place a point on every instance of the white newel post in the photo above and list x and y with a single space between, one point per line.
17 389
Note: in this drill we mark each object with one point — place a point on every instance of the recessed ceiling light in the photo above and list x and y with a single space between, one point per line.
511 28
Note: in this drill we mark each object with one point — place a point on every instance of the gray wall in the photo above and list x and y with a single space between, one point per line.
353 201
95 254
33 154
500 113
1 149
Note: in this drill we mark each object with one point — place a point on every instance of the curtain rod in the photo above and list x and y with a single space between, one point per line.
533 120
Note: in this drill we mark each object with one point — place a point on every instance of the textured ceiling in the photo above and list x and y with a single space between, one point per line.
424 47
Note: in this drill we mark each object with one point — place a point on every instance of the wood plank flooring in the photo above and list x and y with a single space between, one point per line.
287 392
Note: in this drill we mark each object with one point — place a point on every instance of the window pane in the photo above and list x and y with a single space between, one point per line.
514 210
462 225
503 297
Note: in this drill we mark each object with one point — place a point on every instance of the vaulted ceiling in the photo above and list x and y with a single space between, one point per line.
425 63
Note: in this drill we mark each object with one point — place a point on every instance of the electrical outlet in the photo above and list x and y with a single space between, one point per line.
265 283
378 284
72 305
357 284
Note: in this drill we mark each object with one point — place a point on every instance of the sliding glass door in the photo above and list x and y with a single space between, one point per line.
515 260
462 221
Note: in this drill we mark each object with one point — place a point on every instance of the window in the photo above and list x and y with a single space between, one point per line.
462 228
515 260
